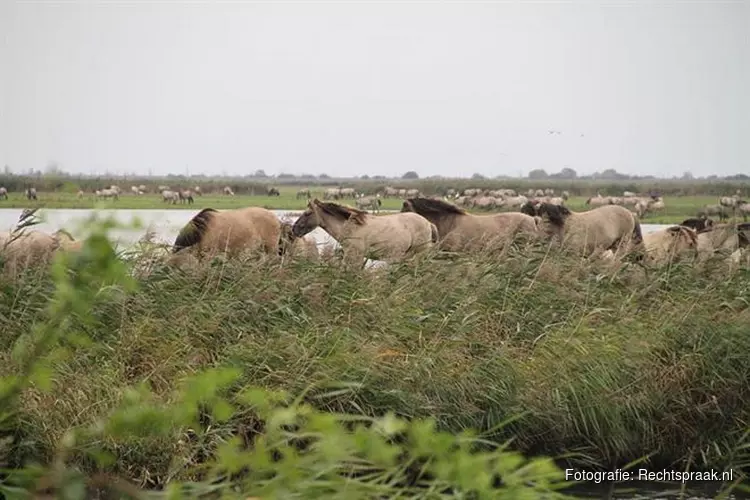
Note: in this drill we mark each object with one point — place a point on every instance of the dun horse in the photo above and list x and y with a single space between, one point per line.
231 231
607 227
389 237
461 231
667 245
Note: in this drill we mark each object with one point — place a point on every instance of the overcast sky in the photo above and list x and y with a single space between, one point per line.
376 87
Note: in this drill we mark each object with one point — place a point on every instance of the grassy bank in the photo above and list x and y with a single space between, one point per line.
677 208
604 368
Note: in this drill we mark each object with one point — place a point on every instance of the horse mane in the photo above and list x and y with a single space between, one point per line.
555 213
530 208
434 207
690 232
343 211
65 233
193 232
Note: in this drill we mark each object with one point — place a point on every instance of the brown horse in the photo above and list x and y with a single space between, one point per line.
608 227
461 231
389 237
670 244
230 231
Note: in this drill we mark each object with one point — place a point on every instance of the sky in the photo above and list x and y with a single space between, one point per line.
377 88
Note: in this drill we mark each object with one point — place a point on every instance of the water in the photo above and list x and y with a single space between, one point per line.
164 224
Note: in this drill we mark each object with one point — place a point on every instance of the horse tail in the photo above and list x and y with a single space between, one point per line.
193 232
434 233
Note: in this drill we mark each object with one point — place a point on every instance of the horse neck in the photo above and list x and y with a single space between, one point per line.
444 222
332 225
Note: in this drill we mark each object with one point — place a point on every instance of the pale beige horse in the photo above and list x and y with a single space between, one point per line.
670 244
461 231
389 237
232 232
608 227
725 238
33 248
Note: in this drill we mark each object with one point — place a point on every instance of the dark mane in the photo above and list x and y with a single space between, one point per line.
343 211
697 223
691 233
193 232
555 213
530 208
434 207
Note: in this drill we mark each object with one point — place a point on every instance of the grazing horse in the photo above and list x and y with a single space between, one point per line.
669 244
608 227
170 196
719 210
106 193
389 237
230 231
31 193
304 193
368 202
462 231
272 191
698 224
186 196
3 193
228 191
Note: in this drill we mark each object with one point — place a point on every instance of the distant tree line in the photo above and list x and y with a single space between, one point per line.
608 182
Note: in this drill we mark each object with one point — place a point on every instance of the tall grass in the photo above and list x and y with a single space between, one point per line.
294 379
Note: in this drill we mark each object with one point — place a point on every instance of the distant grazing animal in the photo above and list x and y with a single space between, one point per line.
461 231
197 190
3 193
232 231
609 227
709 210
667 245
272 191
332 194
186 196
106 193
347 193
228 191
31 193
304 193
170 196
743 209
369 202
80 194
598 201
698 224
302 248
389 237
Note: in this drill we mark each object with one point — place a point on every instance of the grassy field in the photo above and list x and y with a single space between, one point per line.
561 359
677 208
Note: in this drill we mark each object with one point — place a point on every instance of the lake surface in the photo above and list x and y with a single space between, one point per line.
164 224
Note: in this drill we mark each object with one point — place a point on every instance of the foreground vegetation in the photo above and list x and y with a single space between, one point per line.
292 380
677 208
